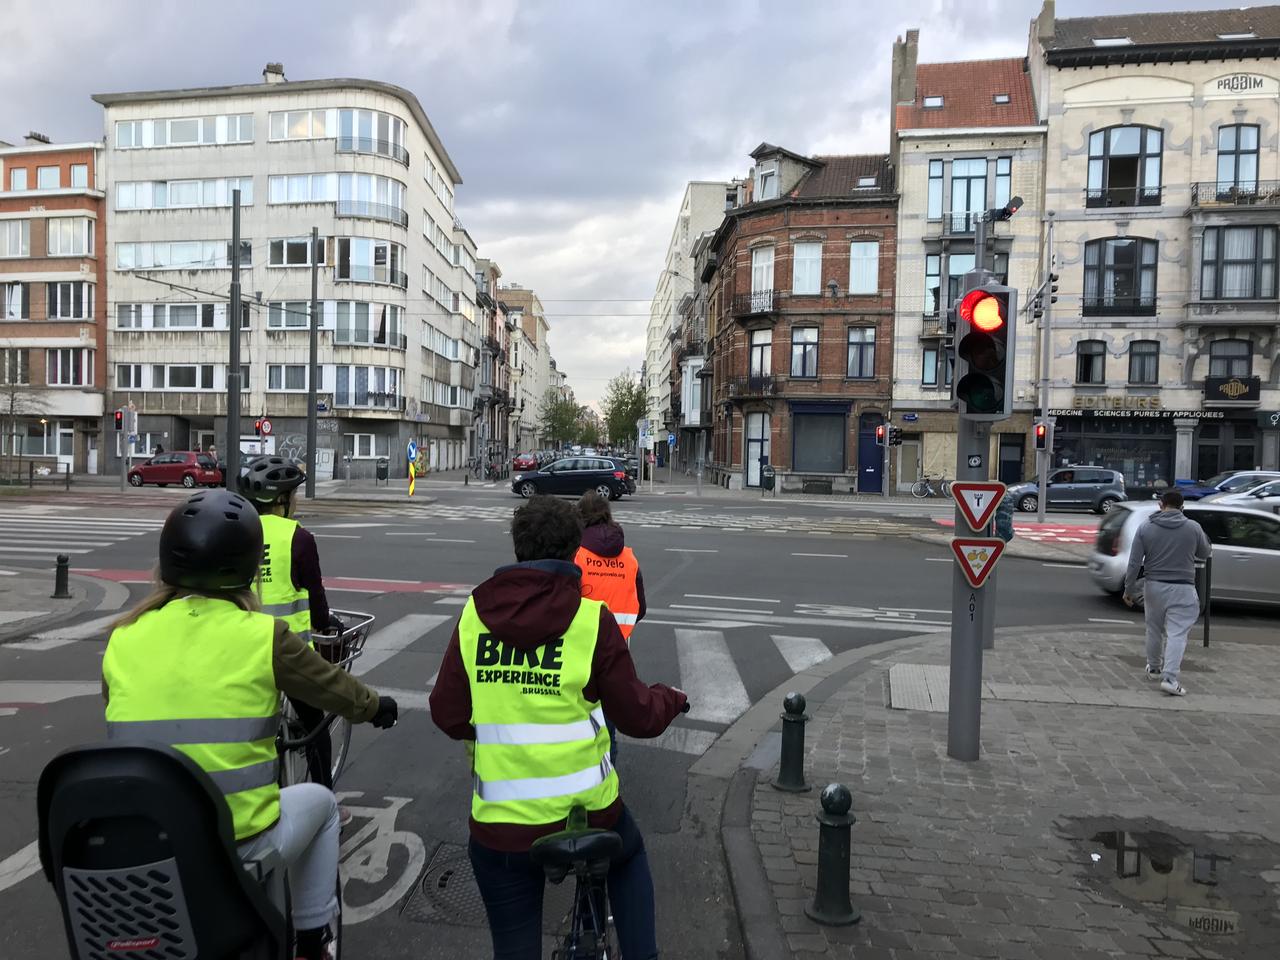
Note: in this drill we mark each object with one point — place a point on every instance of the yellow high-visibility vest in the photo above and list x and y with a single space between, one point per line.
280 598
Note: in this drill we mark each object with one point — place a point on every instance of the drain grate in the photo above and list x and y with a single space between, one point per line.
447 893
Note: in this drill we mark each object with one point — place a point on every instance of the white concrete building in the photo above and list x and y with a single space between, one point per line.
359 160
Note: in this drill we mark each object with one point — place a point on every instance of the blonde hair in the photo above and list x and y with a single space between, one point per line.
161 593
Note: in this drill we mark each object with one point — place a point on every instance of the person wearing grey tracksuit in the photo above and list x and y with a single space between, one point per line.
1167 546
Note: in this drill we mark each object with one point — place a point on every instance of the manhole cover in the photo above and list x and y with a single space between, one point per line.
448 893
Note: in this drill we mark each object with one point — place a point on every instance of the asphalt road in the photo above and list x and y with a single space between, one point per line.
739 600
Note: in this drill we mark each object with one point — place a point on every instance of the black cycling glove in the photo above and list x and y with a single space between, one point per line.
387 714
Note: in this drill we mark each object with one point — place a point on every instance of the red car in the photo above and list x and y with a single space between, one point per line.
186 467
525 461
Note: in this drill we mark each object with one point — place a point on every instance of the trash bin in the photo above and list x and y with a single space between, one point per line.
766 476
383 468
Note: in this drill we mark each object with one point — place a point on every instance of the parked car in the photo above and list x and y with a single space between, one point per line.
1246 549
1083 486
574 475
1265 496
524 461
1230 481
189 468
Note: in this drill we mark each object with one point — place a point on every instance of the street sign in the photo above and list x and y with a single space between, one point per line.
671 439
266 427
411 450
977 557
975 460
910 417
977 500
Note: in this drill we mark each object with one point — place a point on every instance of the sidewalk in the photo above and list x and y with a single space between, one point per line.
26 606
1104 819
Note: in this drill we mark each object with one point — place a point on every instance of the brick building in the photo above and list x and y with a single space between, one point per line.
800 318
52 306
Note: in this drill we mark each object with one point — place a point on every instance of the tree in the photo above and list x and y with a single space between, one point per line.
17 405
624 403
558 418
589 434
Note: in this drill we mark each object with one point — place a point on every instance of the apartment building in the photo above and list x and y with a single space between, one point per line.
534 358
1164 177
801 287
493 389
360 161
53 305
965 138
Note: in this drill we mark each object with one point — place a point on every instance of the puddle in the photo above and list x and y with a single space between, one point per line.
1223 889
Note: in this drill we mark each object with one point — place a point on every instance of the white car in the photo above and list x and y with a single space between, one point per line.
1266 496
1246 548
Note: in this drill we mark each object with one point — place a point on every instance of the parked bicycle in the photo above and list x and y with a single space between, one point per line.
930 486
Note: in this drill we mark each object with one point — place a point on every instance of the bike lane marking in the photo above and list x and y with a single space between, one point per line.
18 866
365 856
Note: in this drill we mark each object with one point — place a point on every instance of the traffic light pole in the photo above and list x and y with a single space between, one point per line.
1046 348
233 368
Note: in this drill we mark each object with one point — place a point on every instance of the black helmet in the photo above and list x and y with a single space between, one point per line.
211 542
264 479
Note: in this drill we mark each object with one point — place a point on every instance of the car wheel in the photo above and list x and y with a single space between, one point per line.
188 481
1028 504
135 479
528 489
605 491
1106 503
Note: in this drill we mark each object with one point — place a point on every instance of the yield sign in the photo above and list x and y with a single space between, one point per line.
977 500
977 557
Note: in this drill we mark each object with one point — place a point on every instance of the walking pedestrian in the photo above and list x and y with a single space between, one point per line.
1167 547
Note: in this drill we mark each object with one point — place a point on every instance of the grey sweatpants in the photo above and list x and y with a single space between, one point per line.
1172 609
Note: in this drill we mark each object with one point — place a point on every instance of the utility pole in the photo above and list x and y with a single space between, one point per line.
1046 348
313 367
233 369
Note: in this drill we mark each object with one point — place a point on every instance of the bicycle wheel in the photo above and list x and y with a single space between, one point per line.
340 740
293 763
920 489
944 488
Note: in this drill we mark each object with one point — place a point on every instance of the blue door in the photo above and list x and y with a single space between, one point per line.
870 455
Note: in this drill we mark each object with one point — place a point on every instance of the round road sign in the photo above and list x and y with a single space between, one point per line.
266 427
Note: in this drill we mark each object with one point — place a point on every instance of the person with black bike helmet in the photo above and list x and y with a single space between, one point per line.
197 665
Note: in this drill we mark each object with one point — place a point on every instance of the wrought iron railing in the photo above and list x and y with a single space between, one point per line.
754 303
1219 193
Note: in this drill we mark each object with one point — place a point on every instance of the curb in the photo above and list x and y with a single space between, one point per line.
1019 551
99 595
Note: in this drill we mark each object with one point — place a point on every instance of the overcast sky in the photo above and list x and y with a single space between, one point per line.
575 123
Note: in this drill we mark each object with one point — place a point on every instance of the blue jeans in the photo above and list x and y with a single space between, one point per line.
512 886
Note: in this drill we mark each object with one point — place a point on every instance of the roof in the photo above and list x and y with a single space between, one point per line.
292 87
1166 36
837 177
968 89
767 149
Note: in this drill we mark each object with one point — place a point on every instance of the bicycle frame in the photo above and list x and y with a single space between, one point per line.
589 920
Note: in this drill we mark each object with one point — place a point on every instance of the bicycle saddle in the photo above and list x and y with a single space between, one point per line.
569 847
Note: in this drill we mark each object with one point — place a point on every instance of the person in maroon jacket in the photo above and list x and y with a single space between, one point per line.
526 605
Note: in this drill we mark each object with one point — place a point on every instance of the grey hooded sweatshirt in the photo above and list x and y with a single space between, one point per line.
1167 544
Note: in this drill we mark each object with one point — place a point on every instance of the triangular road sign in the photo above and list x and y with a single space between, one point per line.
977 557
977 500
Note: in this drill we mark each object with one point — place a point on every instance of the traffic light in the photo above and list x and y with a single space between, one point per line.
895 436
1042 435
881 435
1050 288
257 427
119 421
984 352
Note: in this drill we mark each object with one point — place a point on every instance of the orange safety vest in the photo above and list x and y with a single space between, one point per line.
613 580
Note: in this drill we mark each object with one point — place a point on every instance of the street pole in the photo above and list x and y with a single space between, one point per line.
313 363
233 369
1046 346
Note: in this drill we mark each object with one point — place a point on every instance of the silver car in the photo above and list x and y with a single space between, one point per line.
1259 494
1246 548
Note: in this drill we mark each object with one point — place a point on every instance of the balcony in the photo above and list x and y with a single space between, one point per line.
932 325
491 344
963 223
370 400
1118 306
361 273
1260 193
395 341
755 304
745 388
1232 313
694 348
1123 196
366 210
382 148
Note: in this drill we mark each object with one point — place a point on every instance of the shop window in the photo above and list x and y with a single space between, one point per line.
1124 167
818 440
1091 361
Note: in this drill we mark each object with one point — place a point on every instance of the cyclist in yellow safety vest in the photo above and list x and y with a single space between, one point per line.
529 673
198 666
291 587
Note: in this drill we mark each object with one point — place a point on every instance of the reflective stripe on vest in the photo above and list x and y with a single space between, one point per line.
613 581
197 674
541 747
280 598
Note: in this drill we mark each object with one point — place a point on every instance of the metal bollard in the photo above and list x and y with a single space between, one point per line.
831 905
791 763
60 591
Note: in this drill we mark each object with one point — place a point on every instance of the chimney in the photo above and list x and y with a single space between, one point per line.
1044 22
905 54
34 137
273 73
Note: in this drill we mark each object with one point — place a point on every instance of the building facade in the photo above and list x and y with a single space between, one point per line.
1164 176
536 375
493 390
53 307
360 161
965 138
801 304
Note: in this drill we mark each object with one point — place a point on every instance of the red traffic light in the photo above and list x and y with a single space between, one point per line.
119 419
1041 430
257 427
982 311
880 435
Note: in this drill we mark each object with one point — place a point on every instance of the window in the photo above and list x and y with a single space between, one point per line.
968 194
364 195
294 252
171 194
15 301
1000 98
129 316
1124 167
184 316
762 278
303 188
181 255
15 366
1230 358
128 376
1004 178
18 179
48 178
70 236
1091 361
71 367
80 175
806 268
935 189
289 376
933 103
932 283
365 131
182 376
15 238
293 313
864 266
1237 160
365 446
804 352
767 181
935 367
1144 362
760 351
866 183
69 301
244 376
376 261
1120 277
1112 41
862 353
1238 263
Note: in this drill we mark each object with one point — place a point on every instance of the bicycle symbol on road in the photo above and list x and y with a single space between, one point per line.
365 858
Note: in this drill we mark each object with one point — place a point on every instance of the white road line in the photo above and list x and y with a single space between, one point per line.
718 596
833 556
1066 566
347 526
449 540
55 547
801 652
8 573
400 533
688 550
407 699
12 616
940 559
1131 623
452 601
680 739
18 866
121 523
48 639
694 606
395 637
47 691
710 677
337 536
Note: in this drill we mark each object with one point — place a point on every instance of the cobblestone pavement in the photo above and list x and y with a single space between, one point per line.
1085 831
